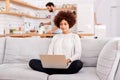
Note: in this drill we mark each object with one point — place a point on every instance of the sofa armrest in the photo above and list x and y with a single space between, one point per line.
117 76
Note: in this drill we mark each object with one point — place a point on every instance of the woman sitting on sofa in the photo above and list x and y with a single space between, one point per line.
67 43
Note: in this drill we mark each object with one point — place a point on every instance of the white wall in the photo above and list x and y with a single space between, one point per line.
115 18
107 12
41 3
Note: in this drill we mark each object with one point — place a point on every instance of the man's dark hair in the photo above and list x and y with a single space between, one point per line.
50 4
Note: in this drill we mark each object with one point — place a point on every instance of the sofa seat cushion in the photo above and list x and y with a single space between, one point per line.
86 73
20 72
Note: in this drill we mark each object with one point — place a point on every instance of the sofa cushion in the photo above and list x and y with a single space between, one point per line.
117 76
91 49
108 60
20 72
86 73
2 46
21 50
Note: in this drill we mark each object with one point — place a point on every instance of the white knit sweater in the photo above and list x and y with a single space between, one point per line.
66 44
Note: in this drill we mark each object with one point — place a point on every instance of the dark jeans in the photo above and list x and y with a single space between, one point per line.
74 67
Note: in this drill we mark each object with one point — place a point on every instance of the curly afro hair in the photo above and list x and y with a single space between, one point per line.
65 15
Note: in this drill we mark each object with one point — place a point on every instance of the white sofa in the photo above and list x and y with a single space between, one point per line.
15 54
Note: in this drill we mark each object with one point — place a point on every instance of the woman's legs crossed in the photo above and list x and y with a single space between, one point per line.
74 67
36 64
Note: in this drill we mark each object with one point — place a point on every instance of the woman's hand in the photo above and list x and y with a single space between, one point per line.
68 61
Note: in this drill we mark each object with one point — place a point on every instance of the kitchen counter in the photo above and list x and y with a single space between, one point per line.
24 35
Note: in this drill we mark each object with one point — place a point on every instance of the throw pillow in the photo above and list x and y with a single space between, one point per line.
108 60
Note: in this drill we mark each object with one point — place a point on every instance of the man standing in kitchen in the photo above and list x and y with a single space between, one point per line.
52 9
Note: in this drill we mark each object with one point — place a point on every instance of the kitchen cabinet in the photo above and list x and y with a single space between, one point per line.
115 20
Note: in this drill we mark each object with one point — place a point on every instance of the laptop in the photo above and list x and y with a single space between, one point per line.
54 61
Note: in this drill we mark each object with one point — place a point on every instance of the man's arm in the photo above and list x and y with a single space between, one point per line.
53 30
47 23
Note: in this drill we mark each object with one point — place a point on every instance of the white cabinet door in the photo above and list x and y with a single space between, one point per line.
115 21
115 2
